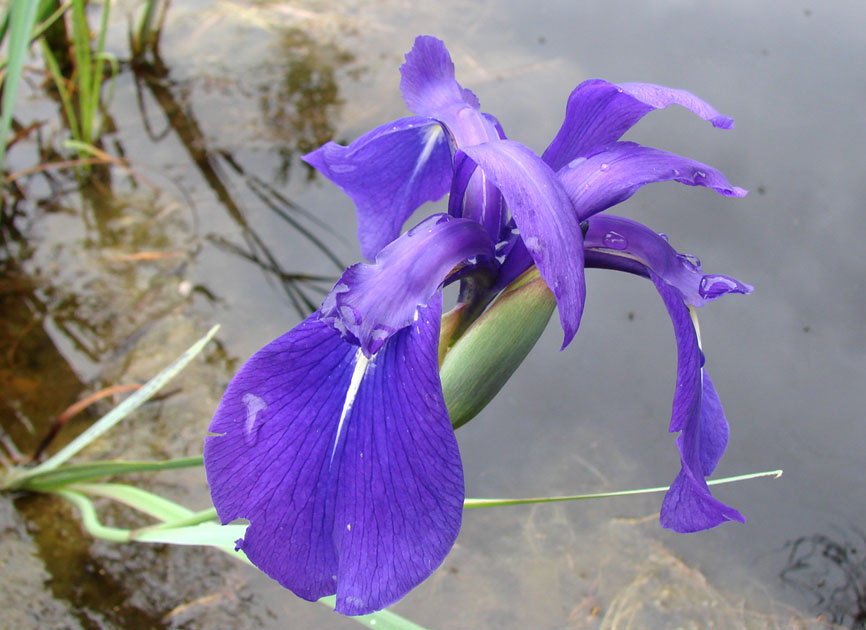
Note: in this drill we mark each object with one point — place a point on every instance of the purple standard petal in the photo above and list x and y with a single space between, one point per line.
388 172
430 89
615 173
599 112
697 413
618 236
427 79
347 468
545 218
372 302
474 196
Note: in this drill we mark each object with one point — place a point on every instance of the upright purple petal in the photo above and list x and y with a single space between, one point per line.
615 173
388 172
430 89
688 505
599 112
545 218
427 79
347 468
371 302
618 236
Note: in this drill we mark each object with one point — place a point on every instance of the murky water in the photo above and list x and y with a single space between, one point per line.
216 220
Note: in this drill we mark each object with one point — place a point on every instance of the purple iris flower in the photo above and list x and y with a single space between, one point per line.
334 440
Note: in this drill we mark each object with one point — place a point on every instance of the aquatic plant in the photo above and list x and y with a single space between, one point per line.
336 440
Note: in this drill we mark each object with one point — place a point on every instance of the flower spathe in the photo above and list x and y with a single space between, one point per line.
334 440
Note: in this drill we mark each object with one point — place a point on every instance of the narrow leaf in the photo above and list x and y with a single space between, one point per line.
477 503
127 406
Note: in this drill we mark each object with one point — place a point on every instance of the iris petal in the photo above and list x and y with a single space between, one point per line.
697 413
629 239
388 172
401 482
599 112
615 173
427 79
269 462
373 301
546 219
347 469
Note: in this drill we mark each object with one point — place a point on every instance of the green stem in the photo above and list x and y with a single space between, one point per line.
477 503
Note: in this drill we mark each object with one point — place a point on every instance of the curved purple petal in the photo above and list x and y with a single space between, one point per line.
427 79
697 413
618 236
599 112
545 218
371 302
400 458
347 468
473 196
388 172
269 462
615 173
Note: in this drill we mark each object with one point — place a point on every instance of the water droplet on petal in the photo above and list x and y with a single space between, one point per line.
532 243
712 287
252 425
692 263
604 167
665 237
615 240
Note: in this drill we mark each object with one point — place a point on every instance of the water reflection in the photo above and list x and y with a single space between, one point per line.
299 107
832 569
101 284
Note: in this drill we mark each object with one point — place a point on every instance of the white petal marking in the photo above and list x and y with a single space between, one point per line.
361 363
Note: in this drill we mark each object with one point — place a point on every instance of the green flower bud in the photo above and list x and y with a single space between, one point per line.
479 363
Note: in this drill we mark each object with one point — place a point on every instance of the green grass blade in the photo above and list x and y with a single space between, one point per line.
126 407
221 537
91 471
136 498
477 503
22 19
90 520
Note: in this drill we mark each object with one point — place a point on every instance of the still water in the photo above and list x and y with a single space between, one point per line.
216 220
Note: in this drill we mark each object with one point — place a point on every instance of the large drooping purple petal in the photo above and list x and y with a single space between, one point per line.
401 481
599 112
373 301
269 461
347 468
688 505
632 240
614 173
388 172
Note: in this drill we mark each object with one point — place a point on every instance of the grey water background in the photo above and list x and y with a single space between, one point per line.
258 84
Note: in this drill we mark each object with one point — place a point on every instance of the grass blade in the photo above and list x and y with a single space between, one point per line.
125 408
23 17
91 471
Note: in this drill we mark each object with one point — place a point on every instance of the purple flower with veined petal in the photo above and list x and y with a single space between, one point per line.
334 440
